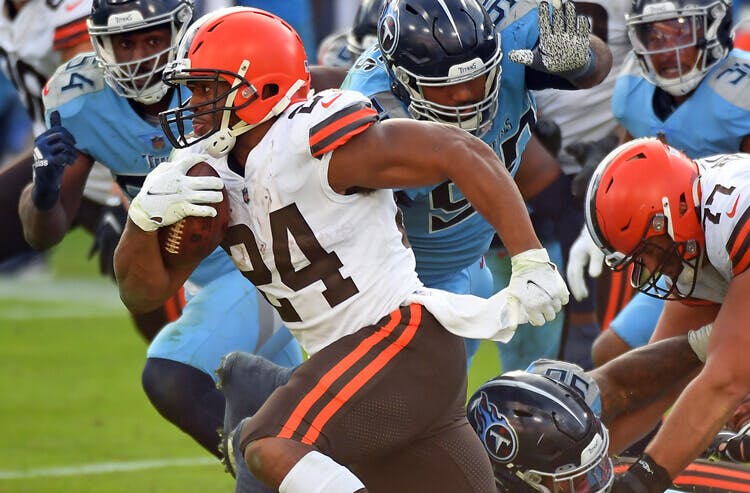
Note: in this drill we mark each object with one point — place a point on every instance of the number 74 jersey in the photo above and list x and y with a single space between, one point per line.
725 215
330 263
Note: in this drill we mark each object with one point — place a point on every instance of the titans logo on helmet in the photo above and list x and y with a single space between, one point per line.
498 436
388 33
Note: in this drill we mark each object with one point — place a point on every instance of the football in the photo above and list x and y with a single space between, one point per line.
193 238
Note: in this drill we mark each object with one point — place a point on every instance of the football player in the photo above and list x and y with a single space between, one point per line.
35 37
543 437
681 226
683 70
466 73
308 179
103 107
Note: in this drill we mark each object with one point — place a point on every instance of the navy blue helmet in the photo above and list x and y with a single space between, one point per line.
540 435
702 24
364 31
138 79
429 43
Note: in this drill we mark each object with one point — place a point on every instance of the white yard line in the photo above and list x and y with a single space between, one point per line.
70 298
107 467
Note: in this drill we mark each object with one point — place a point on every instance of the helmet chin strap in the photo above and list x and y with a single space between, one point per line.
223 141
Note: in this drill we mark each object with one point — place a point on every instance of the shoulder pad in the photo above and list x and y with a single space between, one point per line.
731 79
81 75
389 106
506 12
333 117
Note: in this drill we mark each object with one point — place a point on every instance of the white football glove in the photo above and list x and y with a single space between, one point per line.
169 195
583 254
537 285
564 44
698 340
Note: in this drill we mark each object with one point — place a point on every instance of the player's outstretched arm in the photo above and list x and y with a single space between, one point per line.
711 398
402 153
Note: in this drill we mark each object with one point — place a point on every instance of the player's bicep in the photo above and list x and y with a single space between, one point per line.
392 154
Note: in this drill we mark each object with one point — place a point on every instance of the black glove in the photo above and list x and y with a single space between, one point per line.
644 476
108 232
549 134
53 150
731 446
588 155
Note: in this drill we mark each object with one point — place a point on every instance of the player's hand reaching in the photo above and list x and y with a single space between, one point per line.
53 150
537 285
584 255
169 194
564 45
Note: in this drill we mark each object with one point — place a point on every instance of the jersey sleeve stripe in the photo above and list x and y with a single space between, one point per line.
739 244
70 34
337 129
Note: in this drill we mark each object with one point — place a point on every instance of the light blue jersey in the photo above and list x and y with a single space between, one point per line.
713 120
444 230
223 314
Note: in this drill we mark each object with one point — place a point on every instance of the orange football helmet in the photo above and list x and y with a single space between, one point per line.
642 190
258 54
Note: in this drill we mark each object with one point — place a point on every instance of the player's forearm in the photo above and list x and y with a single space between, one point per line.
142 278
696 417
492 192
645 374
42 229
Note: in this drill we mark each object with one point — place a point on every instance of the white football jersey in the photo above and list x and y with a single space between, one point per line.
585 114
30 45
330 263
725 212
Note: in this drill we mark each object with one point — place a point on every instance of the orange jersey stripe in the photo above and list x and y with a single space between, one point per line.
738 245
70 34
743 474
721 484
364 376
291 425
338 129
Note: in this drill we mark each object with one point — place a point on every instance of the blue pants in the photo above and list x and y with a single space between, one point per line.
222 317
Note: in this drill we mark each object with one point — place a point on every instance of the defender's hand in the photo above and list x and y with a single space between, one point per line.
53 150
537 285
584 255
169 195
564 44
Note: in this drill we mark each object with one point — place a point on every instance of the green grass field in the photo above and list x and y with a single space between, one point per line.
74 417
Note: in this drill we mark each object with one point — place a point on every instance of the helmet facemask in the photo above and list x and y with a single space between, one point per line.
476 117
676 261
696 28
139 79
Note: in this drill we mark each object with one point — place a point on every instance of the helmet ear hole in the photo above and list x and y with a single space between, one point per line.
269 91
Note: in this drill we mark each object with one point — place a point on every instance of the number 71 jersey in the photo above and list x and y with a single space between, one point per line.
725 215
330 263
